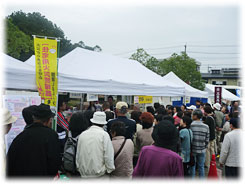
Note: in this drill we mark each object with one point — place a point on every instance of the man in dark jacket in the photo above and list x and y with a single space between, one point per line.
35 151
130 125
211 145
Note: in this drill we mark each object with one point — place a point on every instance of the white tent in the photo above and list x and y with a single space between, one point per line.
226 95
31 61
80 71
107 74
189 90
18 75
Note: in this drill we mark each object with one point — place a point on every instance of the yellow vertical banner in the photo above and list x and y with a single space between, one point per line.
46 69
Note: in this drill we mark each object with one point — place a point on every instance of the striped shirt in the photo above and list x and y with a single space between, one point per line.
200 137
61 121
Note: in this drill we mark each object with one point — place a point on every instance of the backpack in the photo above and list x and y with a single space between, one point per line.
69 155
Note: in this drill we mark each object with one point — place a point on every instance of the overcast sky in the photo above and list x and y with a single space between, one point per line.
213 31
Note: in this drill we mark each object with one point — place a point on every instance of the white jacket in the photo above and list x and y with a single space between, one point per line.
95 154
231 149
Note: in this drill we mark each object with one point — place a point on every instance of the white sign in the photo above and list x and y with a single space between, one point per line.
76 95
91 97
187 99
175 99
136 99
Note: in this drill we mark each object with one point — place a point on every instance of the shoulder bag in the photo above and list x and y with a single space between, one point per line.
115 156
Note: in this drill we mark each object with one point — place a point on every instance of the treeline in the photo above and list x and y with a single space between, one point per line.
19 28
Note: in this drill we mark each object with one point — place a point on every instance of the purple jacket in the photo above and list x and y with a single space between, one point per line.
155 161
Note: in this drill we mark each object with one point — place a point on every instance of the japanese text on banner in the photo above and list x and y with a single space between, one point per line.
46 69
145 99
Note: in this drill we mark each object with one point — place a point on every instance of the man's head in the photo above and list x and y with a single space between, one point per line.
234 123
207 110
106 105
61 105
43 114
8 119
165 135
135 115
118 129
121 108
110 99
170 109
156 105
197 115
198 102
235 104
150 109
27 114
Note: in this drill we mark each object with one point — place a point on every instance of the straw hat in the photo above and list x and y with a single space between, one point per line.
7 117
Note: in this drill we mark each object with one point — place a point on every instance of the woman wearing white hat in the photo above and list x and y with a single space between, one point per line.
8 119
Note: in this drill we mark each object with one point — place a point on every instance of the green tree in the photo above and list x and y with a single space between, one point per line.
185 68
147 60
17 42
141 55
35 24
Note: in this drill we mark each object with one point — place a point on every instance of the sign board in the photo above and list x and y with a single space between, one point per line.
91 97
145 99
187 99
218 95
136 99
15 104
76 95
175 99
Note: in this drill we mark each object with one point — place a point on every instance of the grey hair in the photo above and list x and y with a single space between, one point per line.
198 113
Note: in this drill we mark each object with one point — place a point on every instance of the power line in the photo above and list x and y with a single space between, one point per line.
177 46
214 45
219 58
211 52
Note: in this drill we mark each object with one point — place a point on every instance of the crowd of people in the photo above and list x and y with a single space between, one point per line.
115 142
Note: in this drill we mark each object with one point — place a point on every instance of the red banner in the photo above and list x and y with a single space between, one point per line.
218 95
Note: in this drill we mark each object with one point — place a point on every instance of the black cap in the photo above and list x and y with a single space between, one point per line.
28 112
43 111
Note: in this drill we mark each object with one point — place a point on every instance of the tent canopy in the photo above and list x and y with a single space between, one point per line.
189 90
97 73
114 75
31 61
226 95
17 74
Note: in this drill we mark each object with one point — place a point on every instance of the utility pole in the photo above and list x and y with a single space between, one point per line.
185 48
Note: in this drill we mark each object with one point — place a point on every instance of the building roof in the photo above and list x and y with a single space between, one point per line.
219 76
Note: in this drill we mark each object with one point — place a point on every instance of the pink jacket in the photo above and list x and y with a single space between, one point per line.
124 161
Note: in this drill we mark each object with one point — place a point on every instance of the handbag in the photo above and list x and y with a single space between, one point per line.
192 159
120 149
